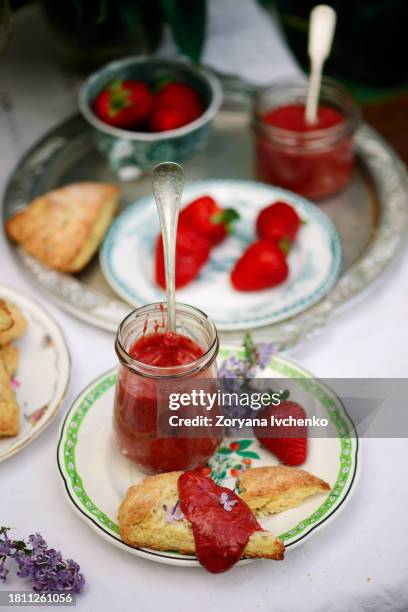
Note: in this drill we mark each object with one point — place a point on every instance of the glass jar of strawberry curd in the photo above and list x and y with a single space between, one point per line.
150 358
316 160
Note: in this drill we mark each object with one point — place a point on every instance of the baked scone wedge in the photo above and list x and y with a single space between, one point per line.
17 327
145 520
9 409
9 357
6 319
272 489
64 227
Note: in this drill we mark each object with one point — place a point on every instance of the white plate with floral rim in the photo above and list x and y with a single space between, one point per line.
96 475
127 257
43 373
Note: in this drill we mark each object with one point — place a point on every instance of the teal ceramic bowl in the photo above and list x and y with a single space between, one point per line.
129 153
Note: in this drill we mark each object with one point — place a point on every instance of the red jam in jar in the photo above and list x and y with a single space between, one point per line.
148 356
314 160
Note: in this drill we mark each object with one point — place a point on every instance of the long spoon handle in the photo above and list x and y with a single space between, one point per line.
321 32
168 183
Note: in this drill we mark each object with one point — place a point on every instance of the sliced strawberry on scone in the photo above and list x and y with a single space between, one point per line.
207 217
261 266
287 443
192 251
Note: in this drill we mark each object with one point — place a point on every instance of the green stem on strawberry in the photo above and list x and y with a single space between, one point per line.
227 217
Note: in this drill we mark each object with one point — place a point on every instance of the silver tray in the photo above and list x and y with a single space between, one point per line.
371 215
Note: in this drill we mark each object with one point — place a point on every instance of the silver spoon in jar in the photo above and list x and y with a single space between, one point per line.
168 183
321 32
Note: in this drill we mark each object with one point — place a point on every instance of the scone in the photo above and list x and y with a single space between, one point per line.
144 521
9 357
6 320
9 409
17 327
272 489
64 228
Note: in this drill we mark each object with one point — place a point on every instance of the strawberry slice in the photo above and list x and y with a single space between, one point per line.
209 219
291 448
192 251
262 265
278 222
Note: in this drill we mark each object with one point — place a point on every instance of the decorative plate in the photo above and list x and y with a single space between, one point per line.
44 345
127 257
96 475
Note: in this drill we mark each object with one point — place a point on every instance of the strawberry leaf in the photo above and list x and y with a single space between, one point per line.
250 454
285 246
227 217
243 444
224 451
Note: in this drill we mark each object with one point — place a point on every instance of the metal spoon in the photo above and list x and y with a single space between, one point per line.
321 32
168 183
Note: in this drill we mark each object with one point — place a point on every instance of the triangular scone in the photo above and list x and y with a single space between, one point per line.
268 490
6 319
9 410
17 327
64 228
145 520
9 357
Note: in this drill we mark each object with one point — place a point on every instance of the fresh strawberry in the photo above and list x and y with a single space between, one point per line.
278 222
182 96
192 251
209 219
291 449
169 117
123 103
262 265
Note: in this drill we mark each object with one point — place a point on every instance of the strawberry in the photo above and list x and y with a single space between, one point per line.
278 222
291 449
209 219
262 265
182 96
169 117
123 103
192 251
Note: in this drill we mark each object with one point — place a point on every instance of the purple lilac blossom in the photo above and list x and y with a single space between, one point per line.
44 566
226 502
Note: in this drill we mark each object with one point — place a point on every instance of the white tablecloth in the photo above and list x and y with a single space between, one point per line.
360 561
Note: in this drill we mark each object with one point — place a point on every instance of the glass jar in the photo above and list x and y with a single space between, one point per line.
314 163
139 385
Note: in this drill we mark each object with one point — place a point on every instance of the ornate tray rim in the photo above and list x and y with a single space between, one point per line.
391 179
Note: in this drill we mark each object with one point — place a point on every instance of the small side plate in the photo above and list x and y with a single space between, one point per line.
96 475
41 389
127 257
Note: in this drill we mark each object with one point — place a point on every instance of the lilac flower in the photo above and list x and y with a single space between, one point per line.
226 502
3 570
173 514
255 357
237 374
44 566
265 352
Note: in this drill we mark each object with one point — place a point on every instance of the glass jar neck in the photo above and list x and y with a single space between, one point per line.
152 319
295 92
